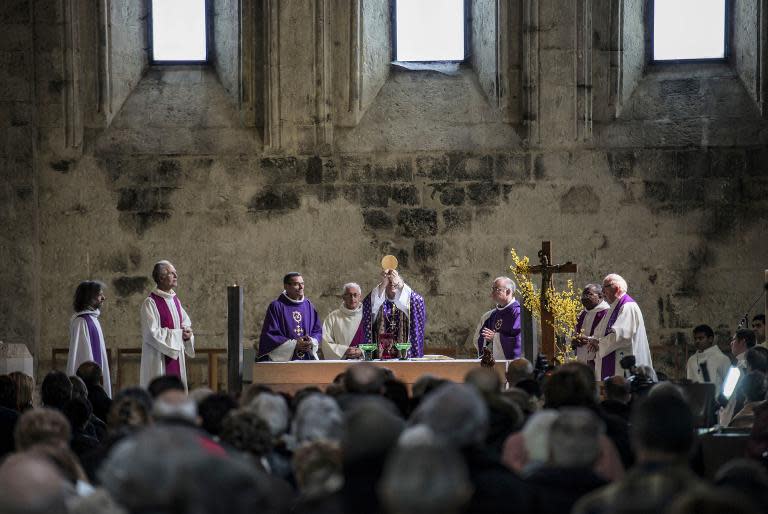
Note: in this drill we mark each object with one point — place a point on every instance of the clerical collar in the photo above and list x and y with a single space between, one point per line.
92 312
602 304
351 311
160 292
292 300
502 307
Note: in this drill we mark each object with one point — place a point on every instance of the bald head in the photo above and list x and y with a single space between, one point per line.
31 484
614 286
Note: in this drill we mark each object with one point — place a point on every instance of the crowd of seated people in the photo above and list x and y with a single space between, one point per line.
535 441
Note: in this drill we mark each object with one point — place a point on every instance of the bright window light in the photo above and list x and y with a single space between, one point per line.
688 29
178 30
731 379
430 30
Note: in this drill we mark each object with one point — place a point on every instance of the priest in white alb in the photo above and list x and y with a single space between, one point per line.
620 333
595 308
342 329
166 329
86 340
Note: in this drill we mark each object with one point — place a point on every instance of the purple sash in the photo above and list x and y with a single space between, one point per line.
95 340
172 366
609 361
357 339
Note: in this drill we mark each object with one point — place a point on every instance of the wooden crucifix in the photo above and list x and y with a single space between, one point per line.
547 269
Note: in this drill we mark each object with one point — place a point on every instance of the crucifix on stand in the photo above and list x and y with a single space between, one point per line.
547 269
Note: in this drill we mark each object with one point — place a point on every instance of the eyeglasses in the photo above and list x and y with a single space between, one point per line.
498 289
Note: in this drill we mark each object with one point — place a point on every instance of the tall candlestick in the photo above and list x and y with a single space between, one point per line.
234 338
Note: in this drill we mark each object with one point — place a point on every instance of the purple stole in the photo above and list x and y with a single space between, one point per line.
93 336
359 336
595 322
172 366
609 361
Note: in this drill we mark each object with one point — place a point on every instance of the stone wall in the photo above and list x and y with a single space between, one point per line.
669 190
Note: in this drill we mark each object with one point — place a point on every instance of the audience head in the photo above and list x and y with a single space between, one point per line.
175 406
742 341
519 369
457 415
574 438
410 485
746 477
485 380
397 392
56 389
244 430
89 295
757 359
372 429
614 286
273 409
78 387
591 296
318 417
30 484
161 384
129 413
318 468
703 337
7 392
364 378
617 389
63 459
25 386
570 385
536 435
42 426
251 392
754 386
424 385
662 428
91 374
78 411
165 275
351 295
213 409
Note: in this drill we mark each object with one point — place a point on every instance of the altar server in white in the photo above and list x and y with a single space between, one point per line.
86 340
595 308
621 332
342 329
166 329
709 364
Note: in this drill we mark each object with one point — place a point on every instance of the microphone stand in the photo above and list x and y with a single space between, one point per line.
744 322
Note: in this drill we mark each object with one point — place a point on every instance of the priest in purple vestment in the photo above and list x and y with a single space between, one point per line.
291 329
499 328
86 340
394 314
595 308
166 329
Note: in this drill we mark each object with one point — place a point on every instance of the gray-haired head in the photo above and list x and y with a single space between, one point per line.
160 269
536 435
574 438
273 409
318 417
351 285
616 280
410 485
505 282
456 413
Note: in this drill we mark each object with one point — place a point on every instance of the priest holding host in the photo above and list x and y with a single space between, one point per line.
620 333
291 329
343 328
166 329
499 328
393 314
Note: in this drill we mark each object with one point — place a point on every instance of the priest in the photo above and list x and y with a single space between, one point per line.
394 314
166 329
620 333
708 365
291 329
86 340
342 329
499 328
595 308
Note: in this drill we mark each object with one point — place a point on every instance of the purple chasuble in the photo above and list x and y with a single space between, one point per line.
93 337
506 323
394 325
608 368
287 320
172 366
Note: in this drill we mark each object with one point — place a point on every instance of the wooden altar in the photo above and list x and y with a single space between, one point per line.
295 375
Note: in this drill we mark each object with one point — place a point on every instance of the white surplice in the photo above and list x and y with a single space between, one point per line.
80 349
339 328
626 337
717 364
159 342
583 353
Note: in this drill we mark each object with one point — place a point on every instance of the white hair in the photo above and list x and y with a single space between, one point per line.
536 435
160 269
618 281
508 283
350 285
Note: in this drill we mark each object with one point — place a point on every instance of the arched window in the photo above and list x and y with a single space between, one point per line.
686 30
178 31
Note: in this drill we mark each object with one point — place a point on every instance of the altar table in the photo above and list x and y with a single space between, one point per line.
292 376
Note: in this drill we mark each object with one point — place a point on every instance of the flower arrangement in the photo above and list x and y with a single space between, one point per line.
564 305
